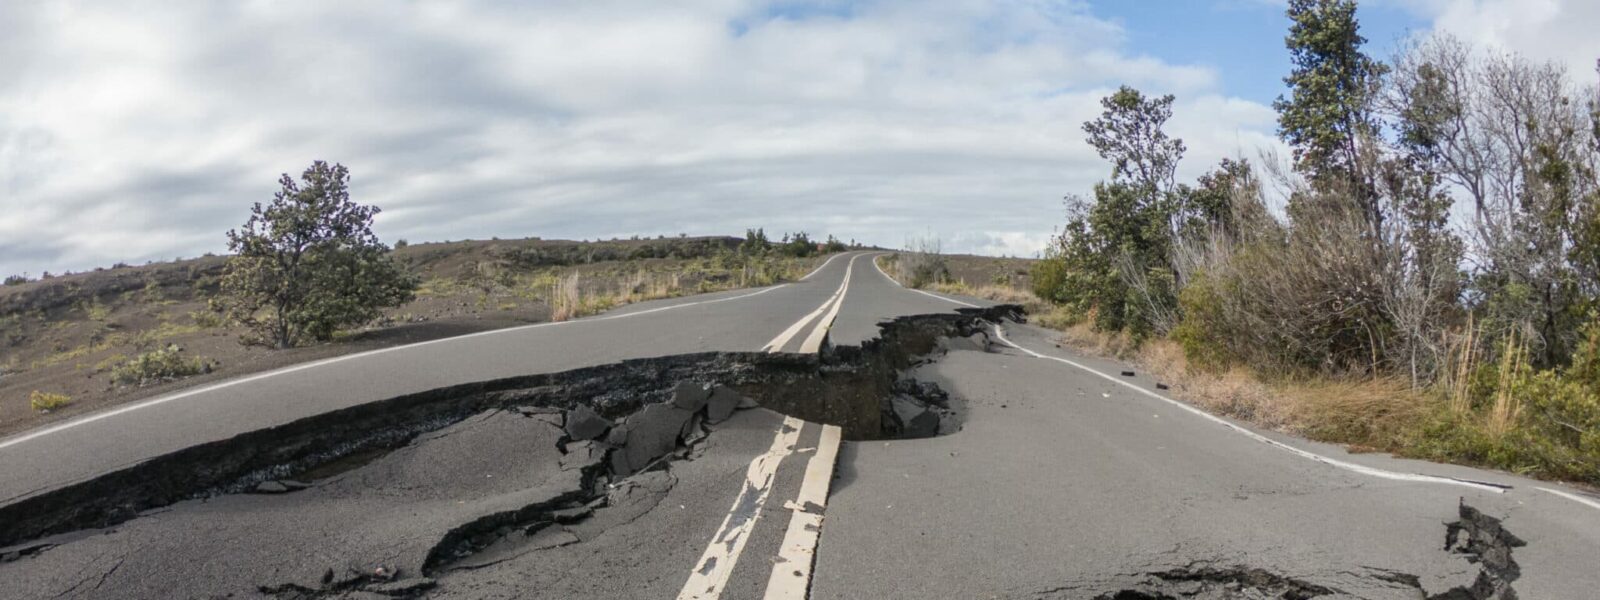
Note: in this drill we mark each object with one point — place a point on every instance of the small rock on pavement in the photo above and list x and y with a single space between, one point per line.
584 424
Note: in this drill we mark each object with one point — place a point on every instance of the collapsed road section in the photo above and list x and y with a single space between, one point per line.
392 497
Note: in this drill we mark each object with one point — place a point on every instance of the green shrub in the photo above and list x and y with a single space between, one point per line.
206 319
45 402
161 365
1203 329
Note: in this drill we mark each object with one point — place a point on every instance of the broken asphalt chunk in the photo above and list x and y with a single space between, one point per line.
584 424
721 405
915 418
646 436
690 396
583 454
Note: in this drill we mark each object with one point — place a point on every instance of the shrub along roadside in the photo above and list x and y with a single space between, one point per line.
1505 415
45 402
159 366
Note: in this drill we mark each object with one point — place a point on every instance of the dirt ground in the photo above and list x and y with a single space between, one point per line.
977 271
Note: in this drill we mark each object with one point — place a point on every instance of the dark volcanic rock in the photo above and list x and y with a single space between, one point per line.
584 424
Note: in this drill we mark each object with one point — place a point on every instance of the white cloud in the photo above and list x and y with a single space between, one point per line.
138 130
1563 31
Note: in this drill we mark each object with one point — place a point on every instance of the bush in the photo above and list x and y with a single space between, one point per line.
44 402
16 279
922 264
1203 329
308 264
159 366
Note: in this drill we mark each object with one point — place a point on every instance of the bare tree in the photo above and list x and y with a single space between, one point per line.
1517 137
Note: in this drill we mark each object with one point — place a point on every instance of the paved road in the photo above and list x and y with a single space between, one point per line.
1067 481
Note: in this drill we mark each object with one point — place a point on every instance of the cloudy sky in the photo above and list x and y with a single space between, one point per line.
134 130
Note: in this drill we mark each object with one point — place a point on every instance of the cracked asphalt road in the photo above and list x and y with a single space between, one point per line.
1059 484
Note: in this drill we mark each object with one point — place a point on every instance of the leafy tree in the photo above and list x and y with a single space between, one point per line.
307 264
1115 256
755 242
1129 134
1208 207
834 245
1328 117
798 245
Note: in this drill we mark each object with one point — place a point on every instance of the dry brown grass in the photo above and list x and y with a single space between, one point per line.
1369 413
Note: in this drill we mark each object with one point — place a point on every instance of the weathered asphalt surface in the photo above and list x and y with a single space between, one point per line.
1061 483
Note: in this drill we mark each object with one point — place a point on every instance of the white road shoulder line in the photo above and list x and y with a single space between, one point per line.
791 573
923 292
1348 466
711 572
1573 497
821 267
311 365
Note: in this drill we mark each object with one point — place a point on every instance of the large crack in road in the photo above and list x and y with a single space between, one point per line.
388 497
443 492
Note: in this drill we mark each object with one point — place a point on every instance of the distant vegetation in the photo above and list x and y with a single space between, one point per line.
1369 315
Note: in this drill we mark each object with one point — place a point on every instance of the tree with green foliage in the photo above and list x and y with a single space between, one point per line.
1328 117
1129 134
755 242
307 264
1115 257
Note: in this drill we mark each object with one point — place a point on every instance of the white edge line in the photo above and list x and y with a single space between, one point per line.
314 364
820 268
923 292
1573 497
1362 469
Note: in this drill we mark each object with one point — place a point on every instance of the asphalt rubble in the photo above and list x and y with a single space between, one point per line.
1478 538
594 448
